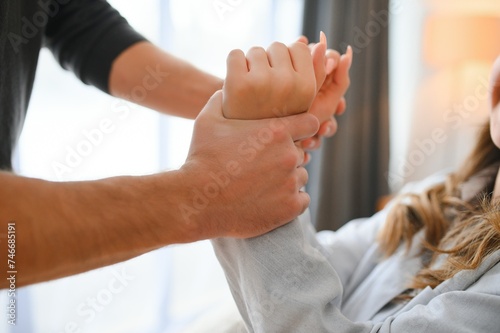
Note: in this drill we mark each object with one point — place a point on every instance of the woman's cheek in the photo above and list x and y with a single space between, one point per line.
495 125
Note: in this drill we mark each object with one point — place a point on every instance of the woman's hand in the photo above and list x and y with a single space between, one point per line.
271 83
329 101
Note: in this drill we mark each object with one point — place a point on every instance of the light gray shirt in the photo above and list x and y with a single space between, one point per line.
294 280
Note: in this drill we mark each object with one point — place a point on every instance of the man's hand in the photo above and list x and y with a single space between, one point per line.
245 176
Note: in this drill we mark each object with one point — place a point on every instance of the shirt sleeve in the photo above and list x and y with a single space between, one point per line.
282 282
86 36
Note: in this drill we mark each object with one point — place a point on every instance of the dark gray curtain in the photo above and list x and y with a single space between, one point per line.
348 174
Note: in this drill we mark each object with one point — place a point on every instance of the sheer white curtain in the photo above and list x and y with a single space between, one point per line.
176 288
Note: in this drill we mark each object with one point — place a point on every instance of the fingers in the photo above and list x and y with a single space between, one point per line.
341 107
332 60
307 158
328 128
312 143
302 177
236 63
303 40
257 59
322 38
305 200
319 62
341 76
301 154
302 126
213 108
301 57
279 56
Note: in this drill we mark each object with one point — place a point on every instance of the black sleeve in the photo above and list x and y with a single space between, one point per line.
86 36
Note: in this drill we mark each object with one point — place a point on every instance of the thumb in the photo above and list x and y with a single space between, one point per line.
213 108
302 39
301 126
319 61
341 76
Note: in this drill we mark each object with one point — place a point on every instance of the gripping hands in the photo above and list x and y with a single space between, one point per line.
283 81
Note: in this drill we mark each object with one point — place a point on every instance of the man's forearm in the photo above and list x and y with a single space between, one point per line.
146 75
68 228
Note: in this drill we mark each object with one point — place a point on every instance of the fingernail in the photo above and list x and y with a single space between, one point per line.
311 144
322 37
314 47
349 51
307 158
329 130
330 65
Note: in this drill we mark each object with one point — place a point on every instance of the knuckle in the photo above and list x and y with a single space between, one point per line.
277 45
255 50
280 134
290 160
305 176
296 206
291 185
334 125
347 82
236 53
304 203
334 55
300 47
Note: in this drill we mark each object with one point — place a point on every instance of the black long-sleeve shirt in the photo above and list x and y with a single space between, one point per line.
84 35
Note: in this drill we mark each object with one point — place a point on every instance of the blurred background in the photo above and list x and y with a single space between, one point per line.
418 95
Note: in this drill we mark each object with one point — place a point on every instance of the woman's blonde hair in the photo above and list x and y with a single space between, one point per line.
466 233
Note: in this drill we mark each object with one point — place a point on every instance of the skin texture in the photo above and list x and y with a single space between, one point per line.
269 84
67 228
321 82
330 97
495 115
242 178
183 89
494 103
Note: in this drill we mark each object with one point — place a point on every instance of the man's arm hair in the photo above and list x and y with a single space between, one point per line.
68 228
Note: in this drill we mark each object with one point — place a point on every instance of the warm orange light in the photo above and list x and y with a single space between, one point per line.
449 40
